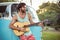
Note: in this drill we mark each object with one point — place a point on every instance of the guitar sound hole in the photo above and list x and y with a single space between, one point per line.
18 27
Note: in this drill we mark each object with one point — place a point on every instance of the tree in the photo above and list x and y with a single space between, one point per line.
52 12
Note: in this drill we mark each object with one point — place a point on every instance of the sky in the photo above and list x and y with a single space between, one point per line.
36 3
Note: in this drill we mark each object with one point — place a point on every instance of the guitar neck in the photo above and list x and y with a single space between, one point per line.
35 24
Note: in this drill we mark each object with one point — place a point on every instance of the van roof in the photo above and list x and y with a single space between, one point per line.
8 3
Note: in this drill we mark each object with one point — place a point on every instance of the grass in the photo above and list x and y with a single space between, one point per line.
51 35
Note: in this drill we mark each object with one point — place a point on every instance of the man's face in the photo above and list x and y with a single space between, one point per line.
23 9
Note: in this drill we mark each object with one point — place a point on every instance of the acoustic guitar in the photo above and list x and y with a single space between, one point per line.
23 25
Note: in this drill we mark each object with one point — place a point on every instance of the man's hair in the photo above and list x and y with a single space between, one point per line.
20 5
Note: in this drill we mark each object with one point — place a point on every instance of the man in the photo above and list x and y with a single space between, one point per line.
23 16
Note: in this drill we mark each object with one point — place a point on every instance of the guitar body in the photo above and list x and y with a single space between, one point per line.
21 25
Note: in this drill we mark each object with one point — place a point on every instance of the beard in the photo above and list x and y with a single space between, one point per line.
23 11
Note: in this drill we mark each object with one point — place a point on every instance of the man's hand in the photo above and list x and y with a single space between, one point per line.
22 29
41 24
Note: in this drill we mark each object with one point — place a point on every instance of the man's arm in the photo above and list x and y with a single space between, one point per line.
12 23
30 19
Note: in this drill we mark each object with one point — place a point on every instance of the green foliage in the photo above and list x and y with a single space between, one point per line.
50 7
51 14
44 5
48 15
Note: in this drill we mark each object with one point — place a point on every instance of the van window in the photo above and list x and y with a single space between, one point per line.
2 11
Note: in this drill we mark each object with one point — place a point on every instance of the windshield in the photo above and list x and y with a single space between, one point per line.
13 9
